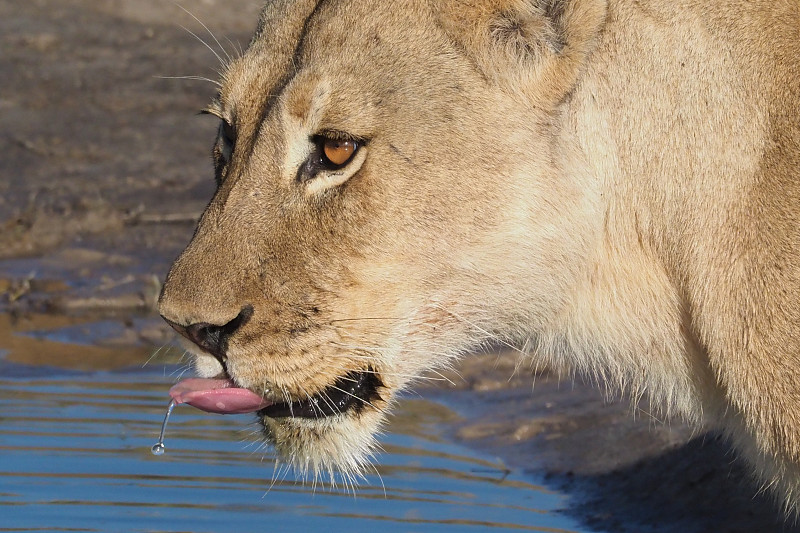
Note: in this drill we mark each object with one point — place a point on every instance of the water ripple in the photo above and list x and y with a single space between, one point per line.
75 456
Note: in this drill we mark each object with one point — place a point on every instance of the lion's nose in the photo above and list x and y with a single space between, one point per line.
213 338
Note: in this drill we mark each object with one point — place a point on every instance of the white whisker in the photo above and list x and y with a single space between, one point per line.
488 335
224 51
354 396
327 399
387 374
154 354
361 319
193 34
195 78
380 478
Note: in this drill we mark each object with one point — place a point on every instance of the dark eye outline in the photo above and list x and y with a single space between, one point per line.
223 149
318 162
224 142
227 132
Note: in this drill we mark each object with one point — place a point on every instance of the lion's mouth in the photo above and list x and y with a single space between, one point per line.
351 392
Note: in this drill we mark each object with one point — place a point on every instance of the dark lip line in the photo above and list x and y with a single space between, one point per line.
352 392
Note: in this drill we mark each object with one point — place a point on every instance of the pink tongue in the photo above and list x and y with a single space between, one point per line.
217 396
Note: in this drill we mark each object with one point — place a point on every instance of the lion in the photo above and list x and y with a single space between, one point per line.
611 186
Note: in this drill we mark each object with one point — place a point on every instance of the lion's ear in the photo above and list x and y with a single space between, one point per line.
532 48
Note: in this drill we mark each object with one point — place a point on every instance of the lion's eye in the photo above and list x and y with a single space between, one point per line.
337 153
228 133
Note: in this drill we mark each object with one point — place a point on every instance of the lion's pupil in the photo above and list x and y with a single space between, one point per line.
339 152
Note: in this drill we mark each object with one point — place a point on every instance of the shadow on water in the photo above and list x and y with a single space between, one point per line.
696 488
79 415
625 471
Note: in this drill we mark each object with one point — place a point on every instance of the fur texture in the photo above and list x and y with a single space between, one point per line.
611 185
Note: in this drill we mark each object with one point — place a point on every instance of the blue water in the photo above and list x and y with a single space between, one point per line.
75 456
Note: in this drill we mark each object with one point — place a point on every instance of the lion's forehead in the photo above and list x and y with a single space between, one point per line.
353 44
252 80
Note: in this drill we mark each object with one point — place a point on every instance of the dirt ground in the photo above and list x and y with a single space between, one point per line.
105 167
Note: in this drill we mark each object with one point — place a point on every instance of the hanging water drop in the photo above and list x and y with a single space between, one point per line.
158 448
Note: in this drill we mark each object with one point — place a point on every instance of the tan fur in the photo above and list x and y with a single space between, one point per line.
611 185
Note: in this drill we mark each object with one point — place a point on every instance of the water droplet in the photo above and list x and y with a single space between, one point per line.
158 448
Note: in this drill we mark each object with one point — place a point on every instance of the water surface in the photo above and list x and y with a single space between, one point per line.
75 456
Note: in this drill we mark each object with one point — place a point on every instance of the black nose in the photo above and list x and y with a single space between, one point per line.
211 337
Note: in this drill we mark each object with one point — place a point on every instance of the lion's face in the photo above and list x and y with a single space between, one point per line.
379 205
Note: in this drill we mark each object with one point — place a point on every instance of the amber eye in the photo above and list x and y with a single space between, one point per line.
337 152
333 154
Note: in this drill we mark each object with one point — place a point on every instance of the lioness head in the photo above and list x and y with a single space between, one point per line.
391 193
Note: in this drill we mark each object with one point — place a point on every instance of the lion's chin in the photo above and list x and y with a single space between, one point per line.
343 443
333 432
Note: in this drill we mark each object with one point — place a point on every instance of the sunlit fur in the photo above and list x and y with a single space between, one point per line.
610 186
